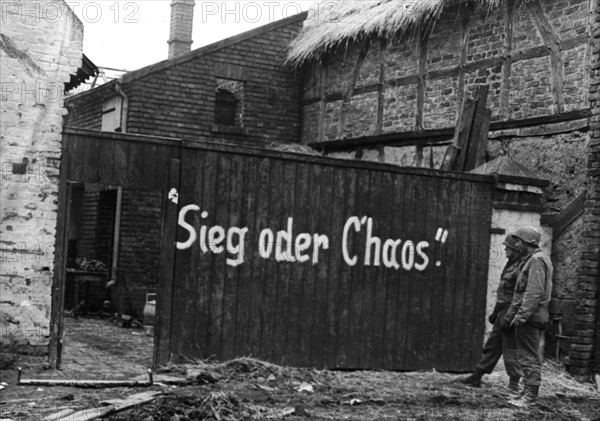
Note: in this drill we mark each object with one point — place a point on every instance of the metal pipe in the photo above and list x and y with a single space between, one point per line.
124 107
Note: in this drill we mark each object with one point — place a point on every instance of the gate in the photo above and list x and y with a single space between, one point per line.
310 261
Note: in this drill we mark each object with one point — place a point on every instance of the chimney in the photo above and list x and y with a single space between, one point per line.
182 20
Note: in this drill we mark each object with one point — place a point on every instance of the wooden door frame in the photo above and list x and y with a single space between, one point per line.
55 346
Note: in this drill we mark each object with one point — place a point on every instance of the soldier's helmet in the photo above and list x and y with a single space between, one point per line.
528 235
509 241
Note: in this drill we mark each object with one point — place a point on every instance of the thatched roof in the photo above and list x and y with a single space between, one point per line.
337 22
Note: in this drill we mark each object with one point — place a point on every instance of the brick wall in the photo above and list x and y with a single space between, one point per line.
585 346
38 53
177 98
139 249
525 78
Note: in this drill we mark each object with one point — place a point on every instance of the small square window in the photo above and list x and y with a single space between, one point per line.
229 102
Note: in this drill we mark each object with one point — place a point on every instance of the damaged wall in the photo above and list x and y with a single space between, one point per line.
38 53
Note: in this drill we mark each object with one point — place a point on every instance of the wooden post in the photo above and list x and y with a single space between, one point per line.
60 260
162 332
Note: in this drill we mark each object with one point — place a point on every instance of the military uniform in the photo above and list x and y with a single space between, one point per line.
499 342
528 313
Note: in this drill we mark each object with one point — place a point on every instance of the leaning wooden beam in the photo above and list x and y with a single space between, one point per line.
479 129
455 156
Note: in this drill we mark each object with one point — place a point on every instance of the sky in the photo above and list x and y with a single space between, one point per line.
129 35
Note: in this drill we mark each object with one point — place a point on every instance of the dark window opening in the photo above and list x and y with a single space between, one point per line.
229 102
226 105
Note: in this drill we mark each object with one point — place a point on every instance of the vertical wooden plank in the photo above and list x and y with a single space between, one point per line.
361 301
347 185
248 292
135 163
220 216
387 288
120 162
164 310
73 157
207 187
460 268
412 300
268 348
91 167
296 310
191 279
322 213
231 274
186 280
371 322
428 280
283 191
106 160
286 193
333 257
260 281
397 309
307 343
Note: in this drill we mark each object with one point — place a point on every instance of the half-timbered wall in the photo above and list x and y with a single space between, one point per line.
534 56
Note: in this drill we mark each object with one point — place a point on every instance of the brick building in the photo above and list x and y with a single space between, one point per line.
236 90
41 51
384 81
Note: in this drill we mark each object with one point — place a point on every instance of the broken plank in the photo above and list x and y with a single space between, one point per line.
115 406
57 416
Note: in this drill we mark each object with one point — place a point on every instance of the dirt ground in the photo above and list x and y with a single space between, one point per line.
249 389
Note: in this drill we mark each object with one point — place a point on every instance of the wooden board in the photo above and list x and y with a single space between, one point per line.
287 303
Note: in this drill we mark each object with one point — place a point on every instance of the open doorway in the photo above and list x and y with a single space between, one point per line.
112 242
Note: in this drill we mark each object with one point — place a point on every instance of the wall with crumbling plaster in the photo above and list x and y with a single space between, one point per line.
40 46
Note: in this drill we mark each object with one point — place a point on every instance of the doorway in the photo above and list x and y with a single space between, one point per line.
106 330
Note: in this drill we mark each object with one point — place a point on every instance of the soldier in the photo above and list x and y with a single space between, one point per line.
500 342
528 312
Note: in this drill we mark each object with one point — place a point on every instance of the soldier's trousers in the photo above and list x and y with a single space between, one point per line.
499 343
528 340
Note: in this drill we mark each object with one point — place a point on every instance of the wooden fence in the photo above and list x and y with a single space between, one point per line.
310 261
299 259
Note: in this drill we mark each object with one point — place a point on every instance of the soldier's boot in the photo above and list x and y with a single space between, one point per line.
513 386
474 379
527 399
